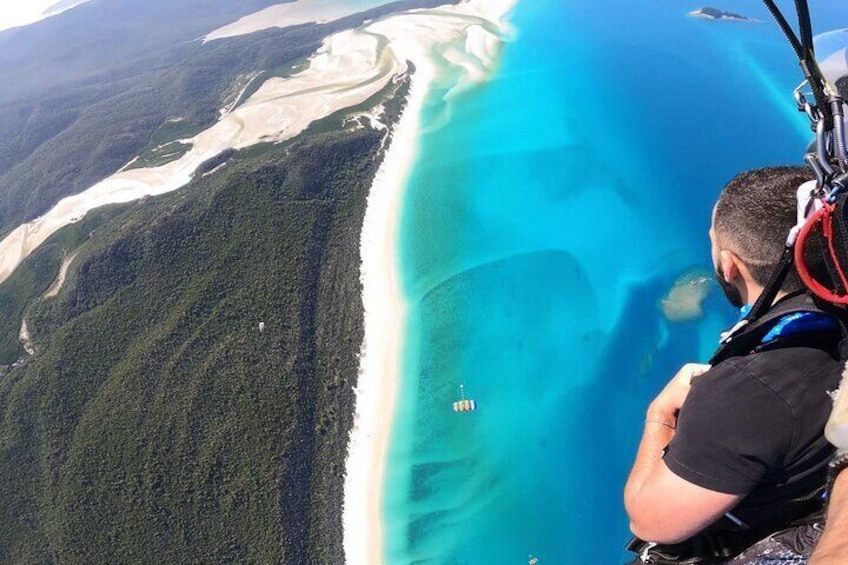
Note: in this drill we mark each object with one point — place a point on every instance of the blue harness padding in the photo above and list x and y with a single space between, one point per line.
797 323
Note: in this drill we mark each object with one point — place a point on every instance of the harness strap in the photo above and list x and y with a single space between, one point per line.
804 27
785 28
773 286
739 342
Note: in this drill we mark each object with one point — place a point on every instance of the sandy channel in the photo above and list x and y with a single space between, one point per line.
468 37
60 280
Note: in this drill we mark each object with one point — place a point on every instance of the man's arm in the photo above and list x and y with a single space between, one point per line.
662 506
833 546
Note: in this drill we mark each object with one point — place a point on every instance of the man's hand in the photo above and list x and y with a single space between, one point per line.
668 403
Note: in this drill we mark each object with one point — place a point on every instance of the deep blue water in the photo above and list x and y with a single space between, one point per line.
548 213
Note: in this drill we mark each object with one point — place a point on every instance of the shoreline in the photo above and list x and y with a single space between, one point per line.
384 303
385 312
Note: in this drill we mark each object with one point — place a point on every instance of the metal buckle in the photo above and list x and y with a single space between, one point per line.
726 336
804 106
645 556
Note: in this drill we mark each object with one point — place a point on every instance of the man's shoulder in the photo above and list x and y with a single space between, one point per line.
783 360
778 370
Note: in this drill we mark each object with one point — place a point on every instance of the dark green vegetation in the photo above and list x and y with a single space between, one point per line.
87 91
161 155
156 423
34 277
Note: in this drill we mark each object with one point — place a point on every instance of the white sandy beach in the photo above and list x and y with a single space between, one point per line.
380 359
474 48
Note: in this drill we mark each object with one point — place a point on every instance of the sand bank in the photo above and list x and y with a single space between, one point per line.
684 300
292 14
467 36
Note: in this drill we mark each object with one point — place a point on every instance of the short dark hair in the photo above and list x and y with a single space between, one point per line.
755 212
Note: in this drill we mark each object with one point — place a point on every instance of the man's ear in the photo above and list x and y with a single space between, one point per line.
729 262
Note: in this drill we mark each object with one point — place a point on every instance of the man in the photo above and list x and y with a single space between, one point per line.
833 546
733 453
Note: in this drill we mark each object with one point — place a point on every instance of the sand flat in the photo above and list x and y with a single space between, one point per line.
291 14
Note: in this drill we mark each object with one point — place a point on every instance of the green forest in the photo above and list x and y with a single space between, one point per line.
156 422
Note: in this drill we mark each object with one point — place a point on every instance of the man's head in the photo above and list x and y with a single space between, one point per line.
750 223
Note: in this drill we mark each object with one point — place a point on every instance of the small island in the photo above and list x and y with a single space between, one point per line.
716 14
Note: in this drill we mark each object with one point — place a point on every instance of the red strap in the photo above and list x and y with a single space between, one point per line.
824 216
828 236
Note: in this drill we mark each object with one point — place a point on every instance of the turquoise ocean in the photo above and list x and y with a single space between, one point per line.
549 211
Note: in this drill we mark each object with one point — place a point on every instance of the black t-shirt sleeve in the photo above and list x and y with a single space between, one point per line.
732 430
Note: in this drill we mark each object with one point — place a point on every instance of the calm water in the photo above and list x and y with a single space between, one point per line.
549 212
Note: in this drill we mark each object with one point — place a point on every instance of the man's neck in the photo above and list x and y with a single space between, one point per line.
753 291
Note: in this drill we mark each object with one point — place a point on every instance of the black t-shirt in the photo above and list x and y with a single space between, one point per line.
755 424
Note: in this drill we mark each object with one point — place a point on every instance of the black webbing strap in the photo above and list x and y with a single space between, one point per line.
785 28
773 286
809 65
744 342
804 25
